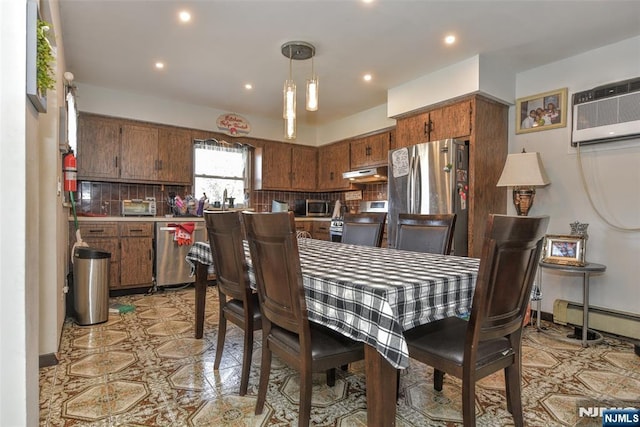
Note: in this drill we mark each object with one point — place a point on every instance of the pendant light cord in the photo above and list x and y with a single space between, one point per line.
586 189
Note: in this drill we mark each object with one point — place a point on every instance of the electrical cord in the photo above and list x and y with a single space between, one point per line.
586 189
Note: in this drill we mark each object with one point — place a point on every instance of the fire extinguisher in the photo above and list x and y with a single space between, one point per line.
70 171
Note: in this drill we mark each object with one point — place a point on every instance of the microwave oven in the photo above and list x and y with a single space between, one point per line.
311 207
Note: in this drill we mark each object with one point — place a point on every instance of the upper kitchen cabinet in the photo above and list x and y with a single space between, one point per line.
449 121
371 150
139 152
98 147
289 167
333 160
112 149
175 155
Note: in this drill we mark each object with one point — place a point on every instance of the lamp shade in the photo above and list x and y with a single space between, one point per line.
523 170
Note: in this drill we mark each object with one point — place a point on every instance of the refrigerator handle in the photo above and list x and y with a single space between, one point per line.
417 186
410 186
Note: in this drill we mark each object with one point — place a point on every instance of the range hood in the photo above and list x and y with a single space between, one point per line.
375 174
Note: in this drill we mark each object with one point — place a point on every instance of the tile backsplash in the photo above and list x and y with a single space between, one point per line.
106 197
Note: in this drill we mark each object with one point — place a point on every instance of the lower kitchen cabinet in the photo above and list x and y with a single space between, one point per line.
321 230
317 229
130 245
136 254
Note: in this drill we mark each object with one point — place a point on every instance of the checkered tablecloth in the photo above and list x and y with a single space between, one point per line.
374 294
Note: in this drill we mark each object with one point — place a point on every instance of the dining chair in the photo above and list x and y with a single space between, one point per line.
238 303
286 330
491 339
426 233
366 228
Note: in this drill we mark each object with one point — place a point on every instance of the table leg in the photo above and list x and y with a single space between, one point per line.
585 308
381 379
202 270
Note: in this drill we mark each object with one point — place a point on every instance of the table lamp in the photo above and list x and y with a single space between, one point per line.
523 171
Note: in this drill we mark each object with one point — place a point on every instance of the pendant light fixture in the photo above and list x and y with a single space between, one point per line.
298 51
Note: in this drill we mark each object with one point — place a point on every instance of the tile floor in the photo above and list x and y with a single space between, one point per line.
145 369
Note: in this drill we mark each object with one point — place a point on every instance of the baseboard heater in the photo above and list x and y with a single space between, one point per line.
600 319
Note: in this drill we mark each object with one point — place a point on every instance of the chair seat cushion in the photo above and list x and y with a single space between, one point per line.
446 339
236 308
326 343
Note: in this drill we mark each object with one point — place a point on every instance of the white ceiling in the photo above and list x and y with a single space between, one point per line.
114 44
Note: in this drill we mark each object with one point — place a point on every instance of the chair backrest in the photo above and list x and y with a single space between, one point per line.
276 264
225 238
508 264
364 229
426 233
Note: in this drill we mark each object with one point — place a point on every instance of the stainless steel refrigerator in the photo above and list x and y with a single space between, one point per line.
430 178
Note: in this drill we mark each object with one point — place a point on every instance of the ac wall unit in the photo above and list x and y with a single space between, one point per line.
607 113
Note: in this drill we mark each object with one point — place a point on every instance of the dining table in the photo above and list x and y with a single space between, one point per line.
371 295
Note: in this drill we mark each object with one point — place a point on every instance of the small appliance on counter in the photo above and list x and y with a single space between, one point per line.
139 207
312 207
279 206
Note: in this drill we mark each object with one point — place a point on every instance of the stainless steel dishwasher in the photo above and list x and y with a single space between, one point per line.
170 266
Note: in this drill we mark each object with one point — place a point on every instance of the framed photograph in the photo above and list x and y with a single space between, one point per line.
542 112
564 249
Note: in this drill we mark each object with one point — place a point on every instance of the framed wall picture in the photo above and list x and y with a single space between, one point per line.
564 249
542 112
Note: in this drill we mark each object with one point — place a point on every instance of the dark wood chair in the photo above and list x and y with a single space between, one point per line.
238 303
426 233
286 329
364 229
491 339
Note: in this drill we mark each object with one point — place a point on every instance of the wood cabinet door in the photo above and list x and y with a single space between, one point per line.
379 149
276 166
136 261
451 121
359 153
98 147
333 160
321 230
139 152
175 155
412 130
304 168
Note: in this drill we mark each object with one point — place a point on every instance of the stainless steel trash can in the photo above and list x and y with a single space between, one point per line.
91 285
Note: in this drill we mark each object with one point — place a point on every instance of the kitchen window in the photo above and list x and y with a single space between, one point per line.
221 166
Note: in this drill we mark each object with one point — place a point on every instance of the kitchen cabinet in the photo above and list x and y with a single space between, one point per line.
288 167
175 155
320 230
449 121
139 148
130 245
371 150
121 150
304 226
333 160
98 150
136 254
482 122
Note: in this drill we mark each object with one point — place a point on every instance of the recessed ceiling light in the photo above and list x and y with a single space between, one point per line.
184 16
248 86
367 77
367 1
159 65
450 39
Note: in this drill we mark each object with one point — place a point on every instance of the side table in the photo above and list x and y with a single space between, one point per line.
586 270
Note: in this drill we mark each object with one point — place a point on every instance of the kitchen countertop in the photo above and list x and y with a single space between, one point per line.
175 218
